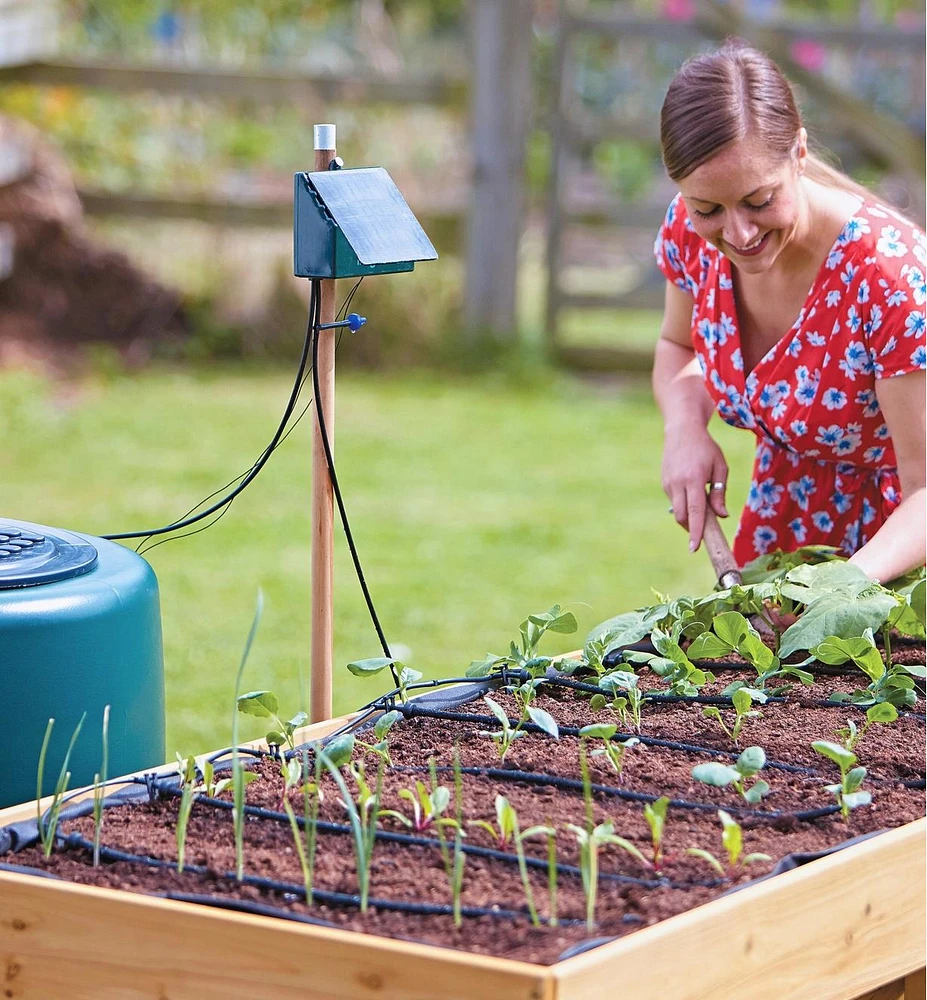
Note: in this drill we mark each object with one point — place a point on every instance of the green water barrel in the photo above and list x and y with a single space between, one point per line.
80 628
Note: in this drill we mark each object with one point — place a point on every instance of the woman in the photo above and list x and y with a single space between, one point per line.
795 306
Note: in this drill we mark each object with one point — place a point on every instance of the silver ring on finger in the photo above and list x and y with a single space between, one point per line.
717 486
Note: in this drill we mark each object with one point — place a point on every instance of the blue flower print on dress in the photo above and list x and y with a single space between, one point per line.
834 259
850 541
798 529
853 231
833 297
801 490
842 501
822 520
862 291
834 399
869 401
914 324
873 455
919 357
763 539
869 512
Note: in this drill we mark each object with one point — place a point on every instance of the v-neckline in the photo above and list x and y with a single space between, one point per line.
789 335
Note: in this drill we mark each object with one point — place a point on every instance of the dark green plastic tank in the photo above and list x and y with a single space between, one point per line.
80 628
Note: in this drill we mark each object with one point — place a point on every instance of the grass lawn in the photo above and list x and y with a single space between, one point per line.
473 503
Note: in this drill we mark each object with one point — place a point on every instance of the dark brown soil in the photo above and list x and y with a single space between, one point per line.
401 872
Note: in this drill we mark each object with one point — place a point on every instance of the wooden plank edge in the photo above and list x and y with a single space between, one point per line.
859 912
70 942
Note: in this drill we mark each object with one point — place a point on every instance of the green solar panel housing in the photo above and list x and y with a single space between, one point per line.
350 223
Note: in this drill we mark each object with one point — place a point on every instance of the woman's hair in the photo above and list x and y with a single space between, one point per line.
727 96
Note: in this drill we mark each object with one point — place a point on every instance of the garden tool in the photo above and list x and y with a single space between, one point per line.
719 552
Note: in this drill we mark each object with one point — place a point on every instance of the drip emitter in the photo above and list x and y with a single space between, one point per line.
80 624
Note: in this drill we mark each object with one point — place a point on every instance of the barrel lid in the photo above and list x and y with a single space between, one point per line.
31 554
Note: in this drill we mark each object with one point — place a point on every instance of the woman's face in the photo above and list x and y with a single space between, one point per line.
746 204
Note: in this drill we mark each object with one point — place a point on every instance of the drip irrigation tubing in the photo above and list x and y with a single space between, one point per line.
490 720
75 841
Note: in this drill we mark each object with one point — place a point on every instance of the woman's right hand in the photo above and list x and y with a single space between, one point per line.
694 474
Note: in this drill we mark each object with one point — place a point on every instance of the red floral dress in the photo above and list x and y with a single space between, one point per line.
825 470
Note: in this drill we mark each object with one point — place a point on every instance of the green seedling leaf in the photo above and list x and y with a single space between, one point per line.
300 719
883 712
597 702
742 699
697 852
497 710
275 738
842 757
852 800
919 602
367 668
483 668
598 730
731 627
385 723
715 774
731 836
708 647
836 614
756 792
752 760
262 704
545 720
854 778
340 750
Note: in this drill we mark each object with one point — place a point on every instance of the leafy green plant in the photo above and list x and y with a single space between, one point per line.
48 829
99 784
893 684
731 632
296 776
454 860
673 665
362 817
405 676
742 700
186 770
524 694
627 697
612 750
211 787
847 792
524 655
655 815
732 840
264 705
748 764
427 807
507 830
883 713
380 730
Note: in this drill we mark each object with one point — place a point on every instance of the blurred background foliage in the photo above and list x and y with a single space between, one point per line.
239 299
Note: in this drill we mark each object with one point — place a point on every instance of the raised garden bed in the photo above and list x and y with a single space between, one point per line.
664 924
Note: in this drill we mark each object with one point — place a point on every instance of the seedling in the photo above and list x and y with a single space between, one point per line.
883 712
405 676
296 776
362 816
48 829
627 698
749 763
427 807
504 829
731 633
212 788
847 792
894 684
741 699
655 814
383 725
264 705
612 750
507 734
453 862
524 656
186 770
673 665
732 840
99 783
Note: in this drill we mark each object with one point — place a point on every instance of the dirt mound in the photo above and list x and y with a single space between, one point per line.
59 288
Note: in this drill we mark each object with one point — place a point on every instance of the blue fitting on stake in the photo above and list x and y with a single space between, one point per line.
353 322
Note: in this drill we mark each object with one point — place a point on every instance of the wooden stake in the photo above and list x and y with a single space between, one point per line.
322 495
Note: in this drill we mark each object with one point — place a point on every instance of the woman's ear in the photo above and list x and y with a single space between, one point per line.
801 150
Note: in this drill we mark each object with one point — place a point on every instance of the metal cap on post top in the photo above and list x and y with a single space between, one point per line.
323 137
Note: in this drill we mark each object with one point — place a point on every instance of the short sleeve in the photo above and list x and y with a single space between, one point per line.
895 325
677 249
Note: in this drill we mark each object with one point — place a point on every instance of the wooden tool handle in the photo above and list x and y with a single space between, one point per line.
719 552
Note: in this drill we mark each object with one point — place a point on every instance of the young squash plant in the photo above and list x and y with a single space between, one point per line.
265 705
747 766
848 791
742 700
612 750
524 654
524 694
627 697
